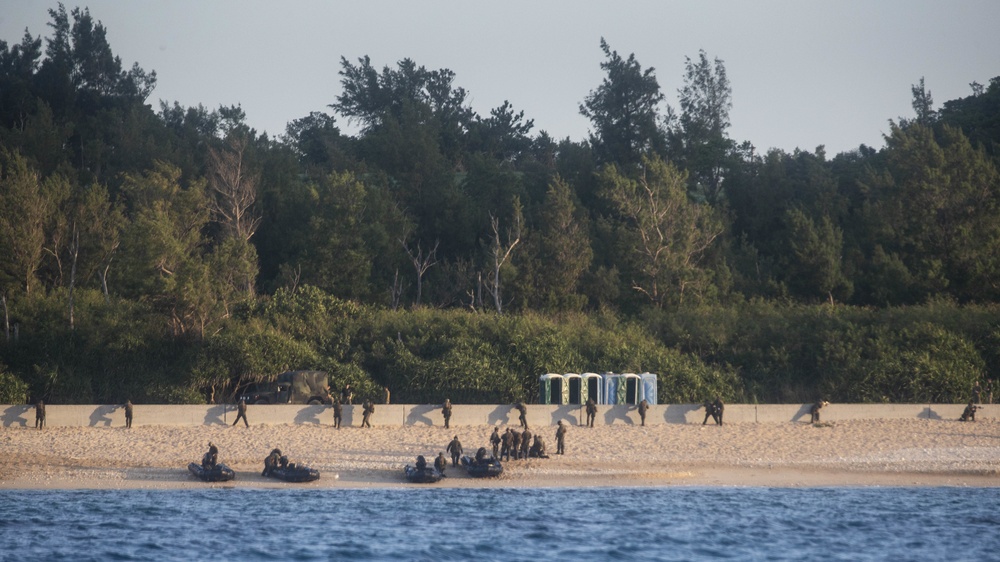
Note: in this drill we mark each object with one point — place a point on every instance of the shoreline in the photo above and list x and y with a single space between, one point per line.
854 453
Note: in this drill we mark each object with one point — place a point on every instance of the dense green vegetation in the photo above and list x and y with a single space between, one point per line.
171 254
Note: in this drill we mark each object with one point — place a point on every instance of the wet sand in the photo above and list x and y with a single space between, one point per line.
896 452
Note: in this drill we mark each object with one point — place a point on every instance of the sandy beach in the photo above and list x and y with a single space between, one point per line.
897 452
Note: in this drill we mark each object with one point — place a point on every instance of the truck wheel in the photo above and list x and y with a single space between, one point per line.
263 401
315 401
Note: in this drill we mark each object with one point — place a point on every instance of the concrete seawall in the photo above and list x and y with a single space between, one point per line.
462 415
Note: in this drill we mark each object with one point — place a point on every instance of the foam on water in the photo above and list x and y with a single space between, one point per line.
503 524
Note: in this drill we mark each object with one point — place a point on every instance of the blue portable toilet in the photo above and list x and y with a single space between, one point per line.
592 387
648 388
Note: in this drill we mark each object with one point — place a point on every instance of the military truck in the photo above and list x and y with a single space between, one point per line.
290 387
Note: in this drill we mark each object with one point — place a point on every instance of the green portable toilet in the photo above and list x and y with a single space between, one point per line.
592 388
550 389
573 389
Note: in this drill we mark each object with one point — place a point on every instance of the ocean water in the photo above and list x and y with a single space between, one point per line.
686 523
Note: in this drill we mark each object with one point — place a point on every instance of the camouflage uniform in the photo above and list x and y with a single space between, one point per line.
591 412
241 412
515 443
561 439
495 442
814 411
128 414
505 444
271 462
366 413
969 414
440 463
338 412
455 448
522 414
39 414
709 411
446 412
719 408
643 408
525 444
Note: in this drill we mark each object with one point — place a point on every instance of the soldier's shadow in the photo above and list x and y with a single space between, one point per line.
500 415
309 414
215 415
418 415
617 413
102 416
15 415
805 410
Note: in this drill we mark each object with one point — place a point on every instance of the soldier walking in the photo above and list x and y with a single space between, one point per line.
440 463
709 411
446 412
367 409
591 412
643 408
814 410
241 413
522 414
338 411
561 438
719 408
455 448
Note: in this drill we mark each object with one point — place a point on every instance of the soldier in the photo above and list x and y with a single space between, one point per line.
719 408
814 410
561 438
440 463
421 462
347 395
495 441
515 443
643 408
481 455
271 462
988 389
367 409
969 414
525 444
385 394
591 412
977 393
455 448
538 448
522 414
39 414
211 458
709 411
505 443
338 411
446 412
128 414
241 412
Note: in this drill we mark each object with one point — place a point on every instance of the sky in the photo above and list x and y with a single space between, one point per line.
803 73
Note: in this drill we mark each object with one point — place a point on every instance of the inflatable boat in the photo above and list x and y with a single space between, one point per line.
221 472
428 475
488 467
294 473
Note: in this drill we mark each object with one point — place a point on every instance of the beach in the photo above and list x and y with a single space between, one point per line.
869 452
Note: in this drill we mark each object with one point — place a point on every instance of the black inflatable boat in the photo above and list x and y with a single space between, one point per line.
295 473
487 467
220 473
428 475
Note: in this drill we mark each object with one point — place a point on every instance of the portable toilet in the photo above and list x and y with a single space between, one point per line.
550 389
633 388
573 391
612 384
648 388
592 387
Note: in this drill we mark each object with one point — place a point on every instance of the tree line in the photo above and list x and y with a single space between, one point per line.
143 249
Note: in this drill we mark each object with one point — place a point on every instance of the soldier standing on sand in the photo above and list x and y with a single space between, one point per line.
814 410
515 443
719 408
367 409
128 414
455 448
561 439
39 414
643 408
338 410
440 463
446 412
505 443
241 412
525 444
522 414
591 412
495 441
709 411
